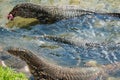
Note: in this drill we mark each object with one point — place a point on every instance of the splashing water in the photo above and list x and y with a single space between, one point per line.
104 30
82 30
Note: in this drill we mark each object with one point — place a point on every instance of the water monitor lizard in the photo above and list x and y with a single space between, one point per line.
50 14
43 70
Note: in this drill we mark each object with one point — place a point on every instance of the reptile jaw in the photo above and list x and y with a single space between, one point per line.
10 17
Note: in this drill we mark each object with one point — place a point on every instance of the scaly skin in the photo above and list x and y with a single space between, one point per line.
51 14
76 43
43 70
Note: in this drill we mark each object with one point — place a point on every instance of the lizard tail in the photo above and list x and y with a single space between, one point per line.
111 68
117 15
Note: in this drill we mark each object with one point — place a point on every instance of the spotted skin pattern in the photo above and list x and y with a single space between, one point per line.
43 70
51 14
77 43
39 67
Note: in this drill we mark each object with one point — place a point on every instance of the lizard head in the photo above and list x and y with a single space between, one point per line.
25 10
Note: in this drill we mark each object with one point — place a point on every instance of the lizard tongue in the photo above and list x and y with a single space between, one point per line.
10 17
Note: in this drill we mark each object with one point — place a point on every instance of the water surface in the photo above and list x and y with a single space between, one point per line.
104 30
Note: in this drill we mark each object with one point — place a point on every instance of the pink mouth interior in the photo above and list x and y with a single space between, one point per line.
10 17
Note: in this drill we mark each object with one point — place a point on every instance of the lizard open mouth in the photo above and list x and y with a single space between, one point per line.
10 17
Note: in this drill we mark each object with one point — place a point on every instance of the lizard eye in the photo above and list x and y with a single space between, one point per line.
14 12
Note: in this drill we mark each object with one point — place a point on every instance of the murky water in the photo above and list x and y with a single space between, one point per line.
104 30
